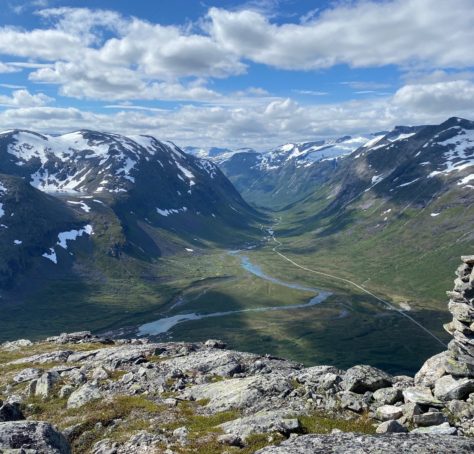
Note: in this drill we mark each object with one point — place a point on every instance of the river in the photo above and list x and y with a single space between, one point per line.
163 325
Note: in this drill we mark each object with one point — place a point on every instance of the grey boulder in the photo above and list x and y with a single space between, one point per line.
362 378
32 436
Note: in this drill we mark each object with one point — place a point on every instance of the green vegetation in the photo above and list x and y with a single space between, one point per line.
323 424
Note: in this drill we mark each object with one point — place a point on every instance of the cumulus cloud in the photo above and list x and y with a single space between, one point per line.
101 55
23 98
260 125
361 34
445 97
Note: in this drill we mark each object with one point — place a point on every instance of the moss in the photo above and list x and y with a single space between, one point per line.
322 424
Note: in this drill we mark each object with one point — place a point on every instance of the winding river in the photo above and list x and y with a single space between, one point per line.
163 325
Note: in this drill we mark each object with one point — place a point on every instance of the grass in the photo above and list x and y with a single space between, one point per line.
319 423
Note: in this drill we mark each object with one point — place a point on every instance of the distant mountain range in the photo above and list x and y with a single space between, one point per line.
86 216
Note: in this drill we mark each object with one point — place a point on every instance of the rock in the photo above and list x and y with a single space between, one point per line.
262 422
388 396
432 370
214 343
170 402
99 373
442 429
410 410
313 375
32 437
83 395
460 409
353 401
469 259
230 440
10 412
72 338
59 356
250 394
391 427
66 391
16 345
429 419
388 412
74 376
350 443
44 384
181 434
421 395
28 374
449 388
461 311
459 368
360 379
329 381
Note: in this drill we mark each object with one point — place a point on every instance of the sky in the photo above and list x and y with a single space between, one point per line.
230 73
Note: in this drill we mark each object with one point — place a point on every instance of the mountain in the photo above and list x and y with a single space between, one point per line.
404 205
88 215
287 173
215 154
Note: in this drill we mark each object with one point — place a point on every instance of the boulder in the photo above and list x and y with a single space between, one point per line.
431 418
360 379
27 374
353 401
262 422
421 395
450 388
16 345
250 394
468 259
44 384
432 370
83 395
410 410
214 343
351 443
388 396
391 427
10 412
442 429
388 412
32 436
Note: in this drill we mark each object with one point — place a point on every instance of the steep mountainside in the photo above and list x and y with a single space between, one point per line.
404 205
99 211
281 176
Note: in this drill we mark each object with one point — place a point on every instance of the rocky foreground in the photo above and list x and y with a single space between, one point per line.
83 393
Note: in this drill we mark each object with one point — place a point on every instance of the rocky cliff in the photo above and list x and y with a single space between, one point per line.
84 393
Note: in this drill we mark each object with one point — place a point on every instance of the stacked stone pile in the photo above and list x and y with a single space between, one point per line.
460 358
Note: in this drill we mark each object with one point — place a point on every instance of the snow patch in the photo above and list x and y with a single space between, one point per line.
82 205
167 212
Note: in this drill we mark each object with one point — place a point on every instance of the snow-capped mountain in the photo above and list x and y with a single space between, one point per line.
120 195
215 154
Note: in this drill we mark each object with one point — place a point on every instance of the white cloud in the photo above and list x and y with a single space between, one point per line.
361 34
441 97
23 98
6 68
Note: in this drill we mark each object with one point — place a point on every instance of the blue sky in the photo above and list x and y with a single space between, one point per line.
228 73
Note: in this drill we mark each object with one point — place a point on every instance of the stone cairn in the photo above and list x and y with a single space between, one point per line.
459 360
